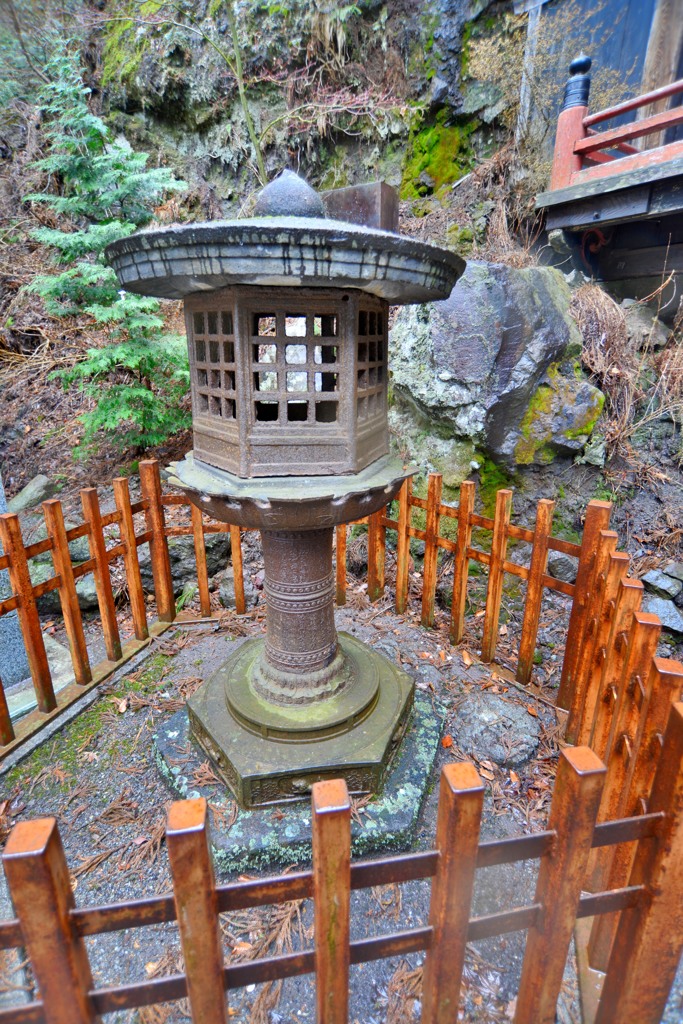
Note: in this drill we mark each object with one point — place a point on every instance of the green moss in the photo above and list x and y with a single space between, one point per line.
440 150
492 478
123 50
430 23
529 445
467 31
127 41
460 239
535 444
603 492
64 749
587 424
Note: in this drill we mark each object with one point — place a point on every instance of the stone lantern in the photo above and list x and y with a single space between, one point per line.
287 320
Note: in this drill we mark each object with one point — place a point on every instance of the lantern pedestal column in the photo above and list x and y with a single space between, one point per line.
301 661
304 703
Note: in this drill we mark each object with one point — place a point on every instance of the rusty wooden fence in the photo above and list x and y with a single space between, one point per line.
502 531
145 521
639 974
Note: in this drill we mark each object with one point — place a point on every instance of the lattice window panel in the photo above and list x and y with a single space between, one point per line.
371 365
214 352
295 371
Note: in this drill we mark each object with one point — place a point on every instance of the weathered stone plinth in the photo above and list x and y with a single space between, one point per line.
259 839
269 753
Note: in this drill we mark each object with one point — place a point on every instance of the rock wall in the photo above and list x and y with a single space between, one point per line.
344 93
495 365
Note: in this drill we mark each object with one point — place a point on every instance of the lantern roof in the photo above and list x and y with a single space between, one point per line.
289 242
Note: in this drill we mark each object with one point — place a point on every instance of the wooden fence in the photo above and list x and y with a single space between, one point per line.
144 521
616 692
640 970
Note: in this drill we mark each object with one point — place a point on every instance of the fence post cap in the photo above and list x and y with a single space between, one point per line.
29 837
187 815
462 776
330 796
583 760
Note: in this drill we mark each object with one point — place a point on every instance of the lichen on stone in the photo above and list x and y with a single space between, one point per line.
560 418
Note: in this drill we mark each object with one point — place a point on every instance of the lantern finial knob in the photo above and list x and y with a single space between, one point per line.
288 195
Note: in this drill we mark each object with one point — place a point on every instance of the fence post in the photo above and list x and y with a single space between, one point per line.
29 620
494 591
340 563
331 824
597 519
607 543
570 127
73 622
618 567
377 538
130 558
641 649
606 864
6 728
461 798
461 561
534 589
434 489
194 891
403 546
237 569
150 485
576 797
200 558
628 602
665 688
98 552
38 880
649 939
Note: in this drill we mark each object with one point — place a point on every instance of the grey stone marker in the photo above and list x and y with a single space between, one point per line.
13 661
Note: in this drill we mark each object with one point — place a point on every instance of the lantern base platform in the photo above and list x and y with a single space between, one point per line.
351 735
266 838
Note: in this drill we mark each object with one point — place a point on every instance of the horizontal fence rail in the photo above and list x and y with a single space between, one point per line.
52 929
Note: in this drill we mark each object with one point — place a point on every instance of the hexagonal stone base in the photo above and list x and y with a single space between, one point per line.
264 837
339 737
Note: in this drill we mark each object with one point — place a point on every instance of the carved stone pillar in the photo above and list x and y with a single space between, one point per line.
301 658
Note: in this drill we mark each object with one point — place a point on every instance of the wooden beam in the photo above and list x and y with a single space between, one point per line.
635 130
626 178
660 157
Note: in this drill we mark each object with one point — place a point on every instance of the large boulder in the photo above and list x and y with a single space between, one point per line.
50 603
35 530
498 362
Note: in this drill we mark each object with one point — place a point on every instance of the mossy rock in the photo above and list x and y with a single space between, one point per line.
559 419
439 153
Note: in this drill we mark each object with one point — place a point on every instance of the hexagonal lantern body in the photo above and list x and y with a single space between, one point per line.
288 382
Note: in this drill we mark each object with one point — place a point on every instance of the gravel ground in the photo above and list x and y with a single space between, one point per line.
98 776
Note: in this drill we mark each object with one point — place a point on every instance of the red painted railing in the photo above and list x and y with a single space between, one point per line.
583 154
